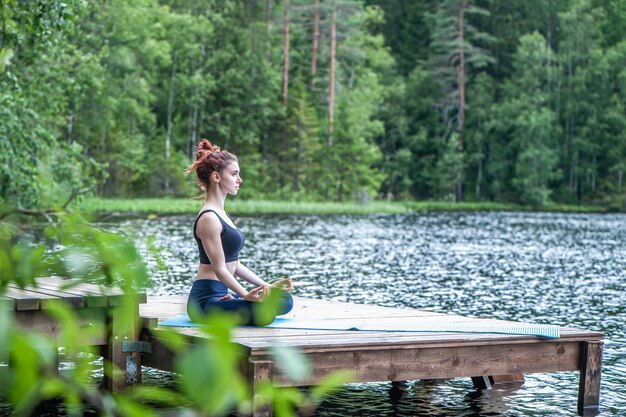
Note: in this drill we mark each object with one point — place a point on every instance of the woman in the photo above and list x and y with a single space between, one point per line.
219 242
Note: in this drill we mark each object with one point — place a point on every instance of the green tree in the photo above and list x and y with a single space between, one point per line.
456 47
590 104
480 111
37 166
533 127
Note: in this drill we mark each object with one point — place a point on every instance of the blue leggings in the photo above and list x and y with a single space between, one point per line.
205 295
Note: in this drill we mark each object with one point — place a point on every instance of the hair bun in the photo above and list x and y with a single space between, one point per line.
205 145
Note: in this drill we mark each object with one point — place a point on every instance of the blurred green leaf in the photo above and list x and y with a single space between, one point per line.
291 362
132 408
265 312
162 396
53 387
25 366
173 340
209 381
155 251
6 333
286 401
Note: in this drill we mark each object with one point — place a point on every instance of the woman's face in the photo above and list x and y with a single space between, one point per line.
230 180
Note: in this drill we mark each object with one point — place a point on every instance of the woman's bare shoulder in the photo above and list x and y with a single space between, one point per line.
208 223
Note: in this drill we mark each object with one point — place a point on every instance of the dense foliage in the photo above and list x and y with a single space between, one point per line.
516 101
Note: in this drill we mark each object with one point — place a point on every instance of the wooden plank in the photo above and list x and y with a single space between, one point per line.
89 298
409 342
438 341
71 300
27 300
149 322
330 339
462 361
590 375
259 337
113 294
39 321
258 373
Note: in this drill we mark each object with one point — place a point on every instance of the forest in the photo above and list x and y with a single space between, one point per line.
519 101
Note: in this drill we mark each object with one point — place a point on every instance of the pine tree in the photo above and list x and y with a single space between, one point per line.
455 45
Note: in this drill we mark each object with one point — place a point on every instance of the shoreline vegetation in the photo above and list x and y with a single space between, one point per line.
172 206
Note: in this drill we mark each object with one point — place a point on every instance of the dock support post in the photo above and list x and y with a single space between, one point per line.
398 390
590 375
482 382
116 362
259 372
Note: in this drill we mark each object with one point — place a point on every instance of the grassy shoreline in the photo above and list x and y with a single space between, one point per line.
170 206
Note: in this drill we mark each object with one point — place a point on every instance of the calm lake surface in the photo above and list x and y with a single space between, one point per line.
564 269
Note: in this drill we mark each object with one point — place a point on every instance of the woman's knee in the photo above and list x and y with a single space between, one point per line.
286 303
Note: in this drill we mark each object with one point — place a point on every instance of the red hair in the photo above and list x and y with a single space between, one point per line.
209 159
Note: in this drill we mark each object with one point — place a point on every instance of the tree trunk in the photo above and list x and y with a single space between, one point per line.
188 142
168 135
316 35
268 24
283 135
461 74
573 174
593 174
193 133
268 16
195 112
479 178
458 188
298 162
286 55
569 132
331 86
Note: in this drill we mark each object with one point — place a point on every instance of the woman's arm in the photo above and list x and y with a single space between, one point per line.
208 229
244 273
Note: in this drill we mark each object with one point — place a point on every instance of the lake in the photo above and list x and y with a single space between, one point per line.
565 269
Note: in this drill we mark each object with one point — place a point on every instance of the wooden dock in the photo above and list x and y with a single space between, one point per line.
394 356
92 303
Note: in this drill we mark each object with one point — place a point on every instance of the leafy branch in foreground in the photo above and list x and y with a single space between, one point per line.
209 381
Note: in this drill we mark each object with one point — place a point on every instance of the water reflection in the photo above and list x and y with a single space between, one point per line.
565 269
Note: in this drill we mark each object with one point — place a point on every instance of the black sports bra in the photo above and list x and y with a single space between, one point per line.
232 240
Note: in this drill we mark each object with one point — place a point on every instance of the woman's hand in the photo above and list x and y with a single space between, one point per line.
226 297
255 296
283 284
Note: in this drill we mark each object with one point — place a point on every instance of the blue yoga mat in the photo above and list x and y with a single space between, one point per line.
372 325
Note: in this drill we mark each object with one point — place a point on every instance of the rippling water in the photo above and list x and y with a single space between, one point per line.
565 269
